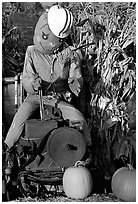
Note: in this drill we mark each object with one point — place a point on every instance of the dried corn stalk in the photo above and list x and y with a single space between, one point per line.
116 65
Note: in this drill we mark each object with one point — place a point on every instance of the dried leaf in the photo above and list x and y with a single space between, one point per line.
127 43
109 123
123 149
132 141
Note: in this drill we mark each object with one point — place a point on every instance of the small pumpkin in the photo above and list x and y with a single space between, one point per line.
124 184
77 182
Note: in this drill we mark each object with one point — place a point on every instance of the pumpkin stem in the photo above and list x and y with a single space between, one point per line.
79 163
130 167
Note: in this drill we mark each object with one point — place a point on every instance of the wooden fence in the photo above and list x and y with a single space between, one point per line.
13 96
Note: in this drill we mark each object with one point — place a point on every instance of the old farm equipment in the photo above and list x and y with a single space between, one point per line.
48 145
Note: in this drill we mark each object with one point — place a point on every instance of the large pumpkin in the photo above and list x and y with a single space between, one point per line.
77 182
124 184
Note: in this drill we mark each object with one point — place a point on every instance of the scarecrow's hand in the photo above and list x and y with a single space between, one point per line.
36 83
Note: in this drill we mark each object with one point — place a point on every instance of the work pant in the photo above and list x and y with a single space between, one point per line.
28 107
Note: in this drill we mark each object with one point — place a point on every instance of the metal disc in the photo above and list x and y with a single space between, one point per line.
66 146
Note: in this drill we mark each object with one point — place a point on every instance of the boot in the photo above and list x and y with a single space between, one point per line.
8 156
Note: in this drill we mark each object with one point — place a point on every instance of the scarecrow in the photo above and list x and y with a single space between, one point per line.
53 67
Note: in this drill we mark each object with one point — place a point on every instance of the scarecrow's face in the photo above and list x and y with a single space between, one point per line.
45 41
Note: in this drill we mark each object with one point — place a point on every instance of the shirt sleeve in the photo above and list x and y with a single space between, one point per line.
75 79
28 72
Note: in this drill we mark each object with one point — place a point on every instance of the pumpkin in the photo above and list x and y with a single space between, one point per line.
124 184
44 40
77 182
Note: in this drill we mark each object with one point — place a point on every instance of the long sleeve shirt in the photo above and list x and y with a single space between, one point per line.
62 69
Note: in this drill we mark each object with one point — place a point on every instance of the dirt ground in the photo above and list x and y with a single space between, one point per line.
92 198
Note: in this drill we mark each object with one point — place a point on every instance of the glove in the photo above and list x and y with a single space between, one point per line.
75 87
36 83
49 101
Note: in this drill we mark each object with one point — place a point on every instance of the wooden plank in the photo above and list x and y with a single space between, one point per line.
12 96
8 80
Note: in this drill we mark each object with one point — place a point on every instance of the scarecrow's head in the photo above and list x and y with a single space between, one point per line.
52 28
